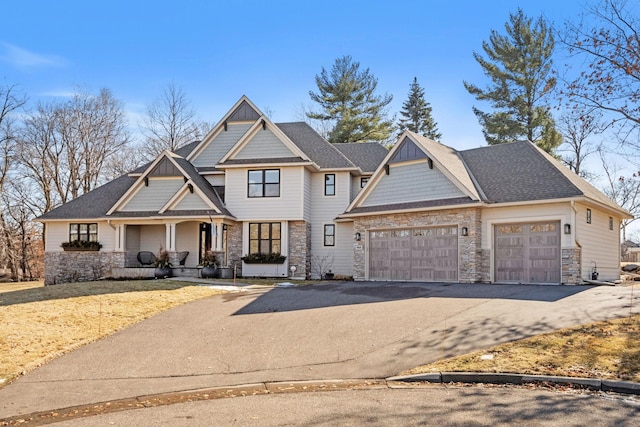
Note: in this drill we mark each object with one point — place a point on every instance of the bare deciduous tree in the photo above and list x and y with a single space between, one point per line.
170 122
607 41
65 147
578 128
624 190
11 100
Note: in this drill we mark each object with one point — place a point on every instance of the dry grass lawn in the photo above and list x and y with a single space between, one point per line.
605 350
39 323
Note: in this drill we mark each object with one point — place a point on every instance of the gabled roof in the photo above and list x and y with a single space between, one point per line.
365 155
521 171
318 149
505 173
449 159
94 204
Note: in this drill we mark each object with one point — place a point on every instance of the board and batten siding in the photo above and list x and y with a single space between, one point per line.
411 182
58 232
154 196
191 201
288 206
324 210
220 145
600 246
263 145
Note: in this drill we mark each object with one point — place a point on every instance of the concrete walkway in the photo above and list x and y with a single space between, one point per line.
334 330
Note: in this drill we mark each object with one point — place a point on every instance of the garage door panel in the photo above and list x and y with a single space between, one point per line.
527 253
426 254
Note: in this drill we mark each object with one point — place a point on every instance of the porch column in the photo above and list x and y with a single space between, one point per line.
218 236
121 234
170 237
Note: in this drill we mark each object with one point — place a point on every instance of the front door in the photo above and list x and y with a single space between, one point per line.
205 240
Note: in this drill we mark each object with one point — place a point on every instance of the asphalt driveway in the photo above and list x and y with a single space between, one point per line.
326 331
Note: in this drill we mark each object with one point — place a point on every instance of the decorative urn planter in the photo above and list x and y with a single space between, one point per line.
210 272
162 272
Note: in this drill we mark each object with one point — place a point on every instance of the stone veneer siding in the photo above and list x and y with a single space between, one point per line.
234 247
79 266
571 266
300 248
470 260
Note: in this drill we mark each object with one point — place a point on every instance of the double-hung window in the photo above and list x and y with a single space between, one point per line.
264 237
330 184
264 183
85 232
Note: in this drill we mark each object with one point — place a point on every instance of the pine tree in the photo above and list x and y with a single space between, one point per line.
416 113
347 98
519 66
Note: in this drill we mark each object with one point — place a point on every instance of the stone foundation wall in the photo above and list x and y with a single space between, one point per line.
571 266
470 257
80 266
300 248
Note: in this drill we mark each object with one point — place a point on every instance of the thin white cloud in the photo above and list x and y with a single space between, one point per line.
22 58
59 93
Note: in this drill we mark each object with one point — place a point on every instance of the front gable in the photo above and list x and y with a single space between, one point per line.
165 185
263 144
188 198
411 173
152 195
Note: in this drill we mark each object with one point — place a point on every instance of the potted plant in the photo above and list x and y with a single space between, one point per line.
81 245
209 266
163 264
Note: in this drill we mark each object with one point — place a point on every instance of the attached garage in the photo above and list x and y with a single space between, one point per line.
527 253
424 254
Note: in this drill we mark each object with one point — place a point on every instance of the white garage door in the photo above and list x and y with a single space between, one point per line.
425 254
527 253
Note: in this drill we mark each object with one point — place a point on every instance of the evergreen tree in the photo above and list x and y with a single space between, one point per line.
416 113
347 99
519 66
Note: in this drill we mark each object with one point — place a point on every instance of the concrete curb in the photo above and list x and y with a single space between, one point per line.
623 387
396 382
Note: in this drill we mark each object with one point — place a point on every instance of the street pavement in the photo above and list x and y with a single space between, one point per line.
325 331
430 406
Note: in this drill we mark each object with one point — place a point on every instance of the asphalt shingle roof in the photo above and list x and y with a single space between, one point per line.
94 204
366 155
318 149
517 172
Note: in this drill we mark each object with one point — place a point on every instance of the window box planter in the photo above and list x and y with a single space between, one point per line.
273 258
80 245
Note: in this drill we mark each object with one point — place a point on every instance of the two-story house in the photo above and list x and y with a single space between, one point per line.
421 211
250 186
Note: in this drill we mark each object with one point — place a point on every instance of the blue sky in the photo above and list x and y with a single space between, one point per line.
269 51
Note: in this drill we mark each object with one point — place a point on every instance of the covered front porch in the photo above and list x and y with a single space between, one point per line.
187 241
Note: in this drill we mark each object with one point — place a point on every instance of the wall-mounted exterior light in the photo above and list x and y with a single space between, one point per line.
465 231
358 237
567 229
